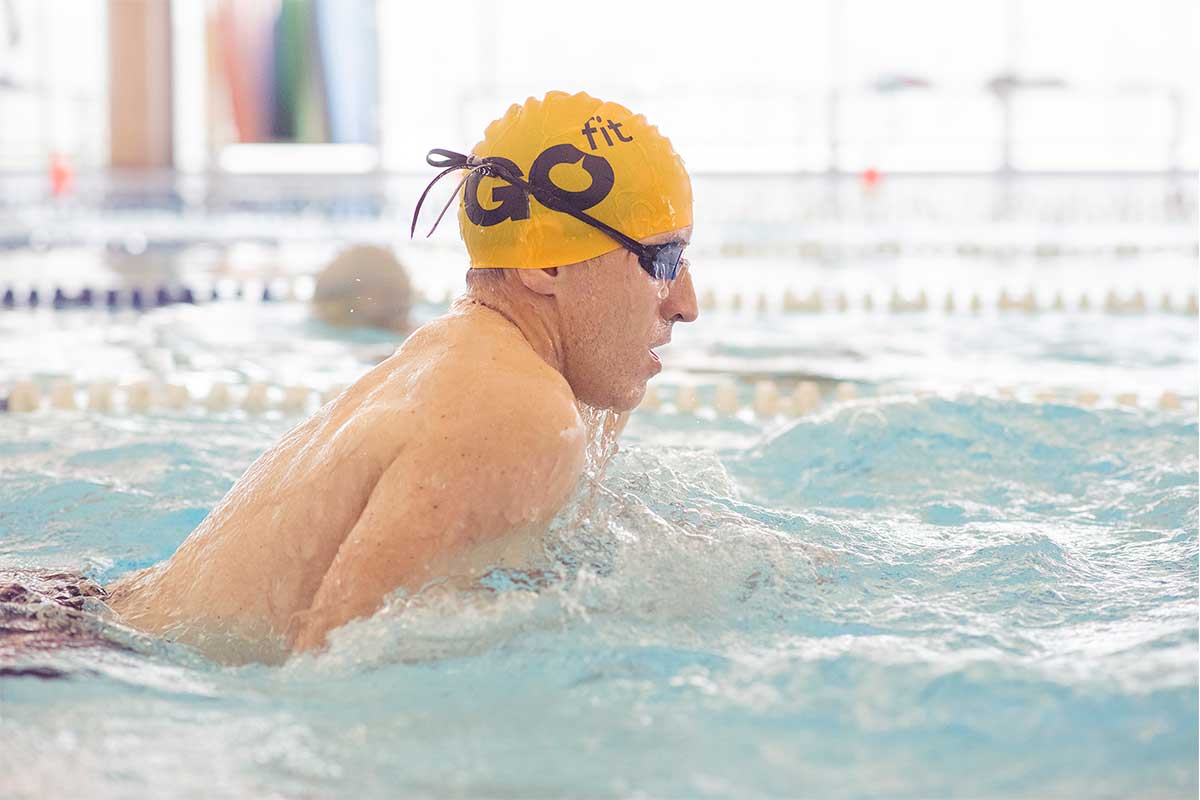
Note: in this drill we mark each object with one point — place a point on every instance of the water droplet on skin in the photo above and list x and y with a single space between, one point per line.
664 289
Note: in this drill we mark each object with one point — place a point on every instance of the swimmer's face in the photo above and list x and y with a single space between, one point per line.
613 315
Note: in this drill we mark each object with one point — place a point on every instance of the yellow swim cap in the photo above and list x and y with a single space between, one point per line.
609 162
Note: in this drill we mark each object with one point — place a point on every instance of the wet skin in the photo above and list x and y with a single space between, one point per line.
450 456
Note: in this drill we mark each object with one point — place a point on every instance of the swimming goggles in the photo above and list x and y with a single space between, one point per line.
660 261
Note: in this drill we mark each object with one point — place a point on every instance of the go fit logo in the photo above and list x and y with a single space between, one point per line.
512 201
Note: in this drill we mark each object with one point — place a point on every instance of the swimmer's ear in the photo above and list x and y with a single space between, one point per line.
541 281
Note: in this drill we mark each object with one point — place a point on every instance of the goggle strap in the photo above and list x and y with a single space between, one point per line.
421 201
450 161
454 196
563 204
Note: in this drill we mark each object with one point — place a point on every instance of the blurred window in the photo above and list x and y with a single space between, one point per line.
756 86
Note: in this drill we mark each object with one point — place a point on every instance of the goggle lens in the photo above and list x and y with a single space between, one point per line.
666 260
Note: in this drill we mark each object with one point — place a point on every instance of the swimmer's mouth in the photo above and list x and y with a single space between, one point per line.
653 354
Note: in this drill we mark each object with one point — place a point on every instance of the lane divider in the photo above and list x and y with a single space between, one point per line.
763 303
817 302
770 400
107 397
1045 250
763 399
140 298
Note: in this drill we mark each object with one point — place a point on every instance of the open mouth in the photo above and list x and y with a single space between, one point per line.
652 347
660 343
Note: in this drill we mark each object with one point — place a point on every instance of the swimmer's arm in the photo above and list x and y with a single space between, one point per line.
472 481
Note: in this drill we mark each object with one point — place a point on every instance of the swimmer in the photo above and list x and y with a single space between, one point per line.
455 453
363 286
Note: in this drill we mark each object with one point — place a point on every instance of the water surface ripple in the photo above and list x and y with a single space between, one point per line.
903 598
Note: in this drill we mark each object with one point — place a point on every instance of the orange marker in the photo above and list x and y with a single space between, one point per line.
62 176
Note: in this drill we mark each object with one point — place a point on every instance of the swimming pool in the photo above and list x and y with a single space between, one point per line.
966 580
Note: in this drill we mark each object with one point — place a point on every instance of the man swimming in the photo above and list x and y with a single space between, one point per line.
455 453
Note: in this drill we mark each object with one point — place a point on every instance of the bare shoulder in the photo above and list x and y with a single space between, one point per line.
491 377
511 411
487 415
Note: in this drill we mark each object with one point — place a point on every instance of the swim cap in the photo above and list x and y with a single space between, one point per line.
609 162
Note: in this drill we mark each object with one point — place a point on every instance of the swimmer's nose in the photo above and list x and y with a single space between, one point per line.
680 304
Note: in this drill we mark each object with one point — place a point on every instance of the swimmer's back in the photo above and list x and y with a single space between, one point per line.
464 383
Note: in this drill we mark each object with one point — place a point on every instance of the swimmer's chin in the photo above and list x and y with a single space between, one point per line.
622 404
631 399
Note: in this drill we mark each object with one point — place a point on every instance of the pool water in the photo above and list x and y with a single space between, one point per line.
936 589
903 597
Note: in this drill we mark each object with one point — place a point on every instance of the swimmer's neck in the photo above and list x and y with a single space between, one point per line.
534 316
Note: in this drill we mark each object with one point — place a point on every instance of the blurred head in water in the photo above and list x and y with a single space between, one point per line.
576 211
364 286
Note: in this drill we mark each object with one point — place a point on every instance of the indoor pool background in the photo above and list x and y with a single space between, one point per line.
964 582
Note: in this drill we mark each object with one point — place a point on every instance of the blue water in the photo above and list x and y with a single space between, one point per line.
900 597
